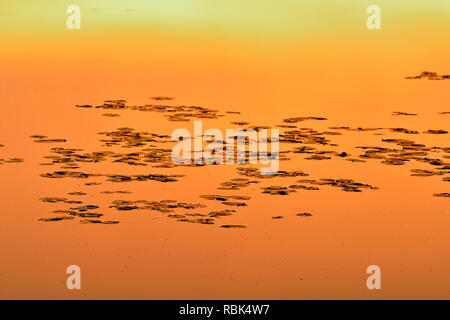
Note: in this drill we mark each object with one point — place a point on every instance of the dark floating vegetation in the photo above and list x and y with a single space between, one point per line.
254 172
298 119
160 98
118 191
44 139
347 185
111 115
10 160
430 131
173 113
443 194
233 226
77 193
277 190
150 177
164 206
53 219
430 76
401 113
237 184
304 214
150 153
88 221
